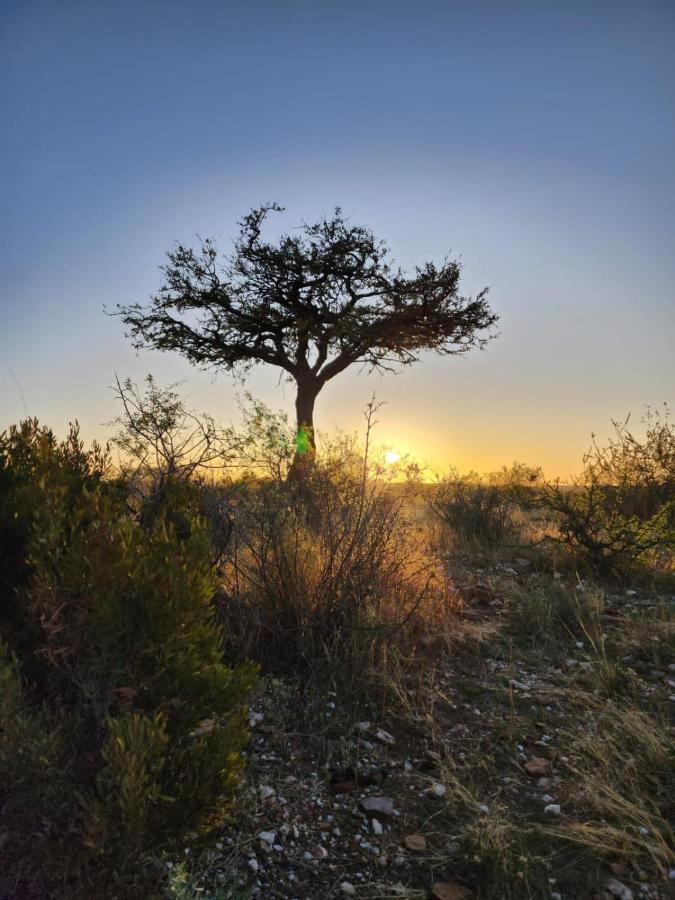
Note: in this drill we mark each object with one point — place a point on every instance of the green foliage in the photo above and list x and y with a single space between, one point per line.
121 726
621 510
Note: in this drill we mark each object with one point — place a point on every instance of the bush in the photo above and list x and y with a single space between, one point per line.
483 509
327 575
621 511
121 727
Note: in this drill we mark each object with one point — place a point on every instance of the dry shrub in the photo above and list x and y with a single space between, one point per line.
484 509
331 572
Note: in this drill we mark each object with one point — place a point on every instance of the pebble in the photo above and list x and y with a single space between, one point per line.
377 806
619 889
348 888
415 843
436 791
553 809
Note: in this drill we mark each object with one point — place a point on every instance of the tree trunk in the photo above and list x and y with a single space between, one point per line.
305 442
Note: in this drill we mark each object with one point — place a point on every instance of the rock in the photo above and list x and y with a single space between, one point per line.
348 889
268 837
619 867
267 792
343 782
619 889
363 727
384 737
446 890
415 843
552 809
430 761
538 766
377 807
436 791
376 825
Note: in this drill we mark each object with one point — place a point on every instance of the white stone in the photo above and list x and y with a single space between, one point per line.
619 889
436 790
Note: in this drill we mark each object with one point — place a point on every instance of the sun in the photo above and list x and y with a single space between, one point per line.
391 457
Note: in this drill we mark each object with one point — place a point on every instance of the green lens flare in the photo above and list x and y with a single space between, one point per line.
302 441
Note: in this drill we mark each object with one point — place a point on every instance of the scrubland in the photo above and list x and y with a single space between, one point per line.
221 682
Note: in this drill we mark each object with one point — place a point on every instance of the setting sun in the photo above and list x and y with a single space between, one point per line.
391 457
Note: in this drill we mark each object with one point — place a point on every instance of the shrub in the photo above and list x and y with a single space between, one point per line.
121 727
621 510
483 509
327 575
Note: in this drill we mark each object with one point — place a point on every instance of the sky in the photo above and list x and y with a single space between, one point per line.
533 141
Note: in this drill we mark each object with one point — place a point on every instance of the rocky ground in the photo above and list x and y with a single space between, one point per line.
493 779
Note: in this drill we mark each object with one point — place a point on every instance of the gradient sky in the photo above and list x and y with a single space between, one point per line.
535 141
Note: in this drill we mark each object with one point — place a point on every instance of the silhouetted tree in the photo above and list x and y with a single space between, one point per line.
312 303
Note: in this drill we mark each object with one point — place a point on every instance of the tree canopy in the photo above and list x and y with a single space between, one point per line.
311 303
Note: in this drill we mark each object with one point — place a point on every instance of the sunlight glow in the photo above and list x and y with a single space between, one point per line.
391 457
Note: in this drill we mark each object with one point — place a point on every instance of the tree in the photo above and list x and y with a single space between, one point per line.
312 304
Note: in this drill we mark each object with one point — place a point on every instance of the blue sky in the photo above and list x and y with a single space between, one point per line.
535 141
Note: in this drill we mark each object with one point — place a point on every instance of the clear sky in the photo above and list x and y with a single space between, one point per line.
534 140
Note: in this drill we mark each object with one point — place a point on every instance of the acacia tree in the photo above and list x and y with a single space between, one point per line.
311 303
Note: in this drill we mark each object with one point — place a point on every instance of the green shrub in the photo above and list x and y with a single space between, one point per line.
122 728
620 512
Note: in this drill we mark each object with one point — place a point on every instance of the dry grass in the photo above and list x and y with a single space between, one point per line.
624 783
